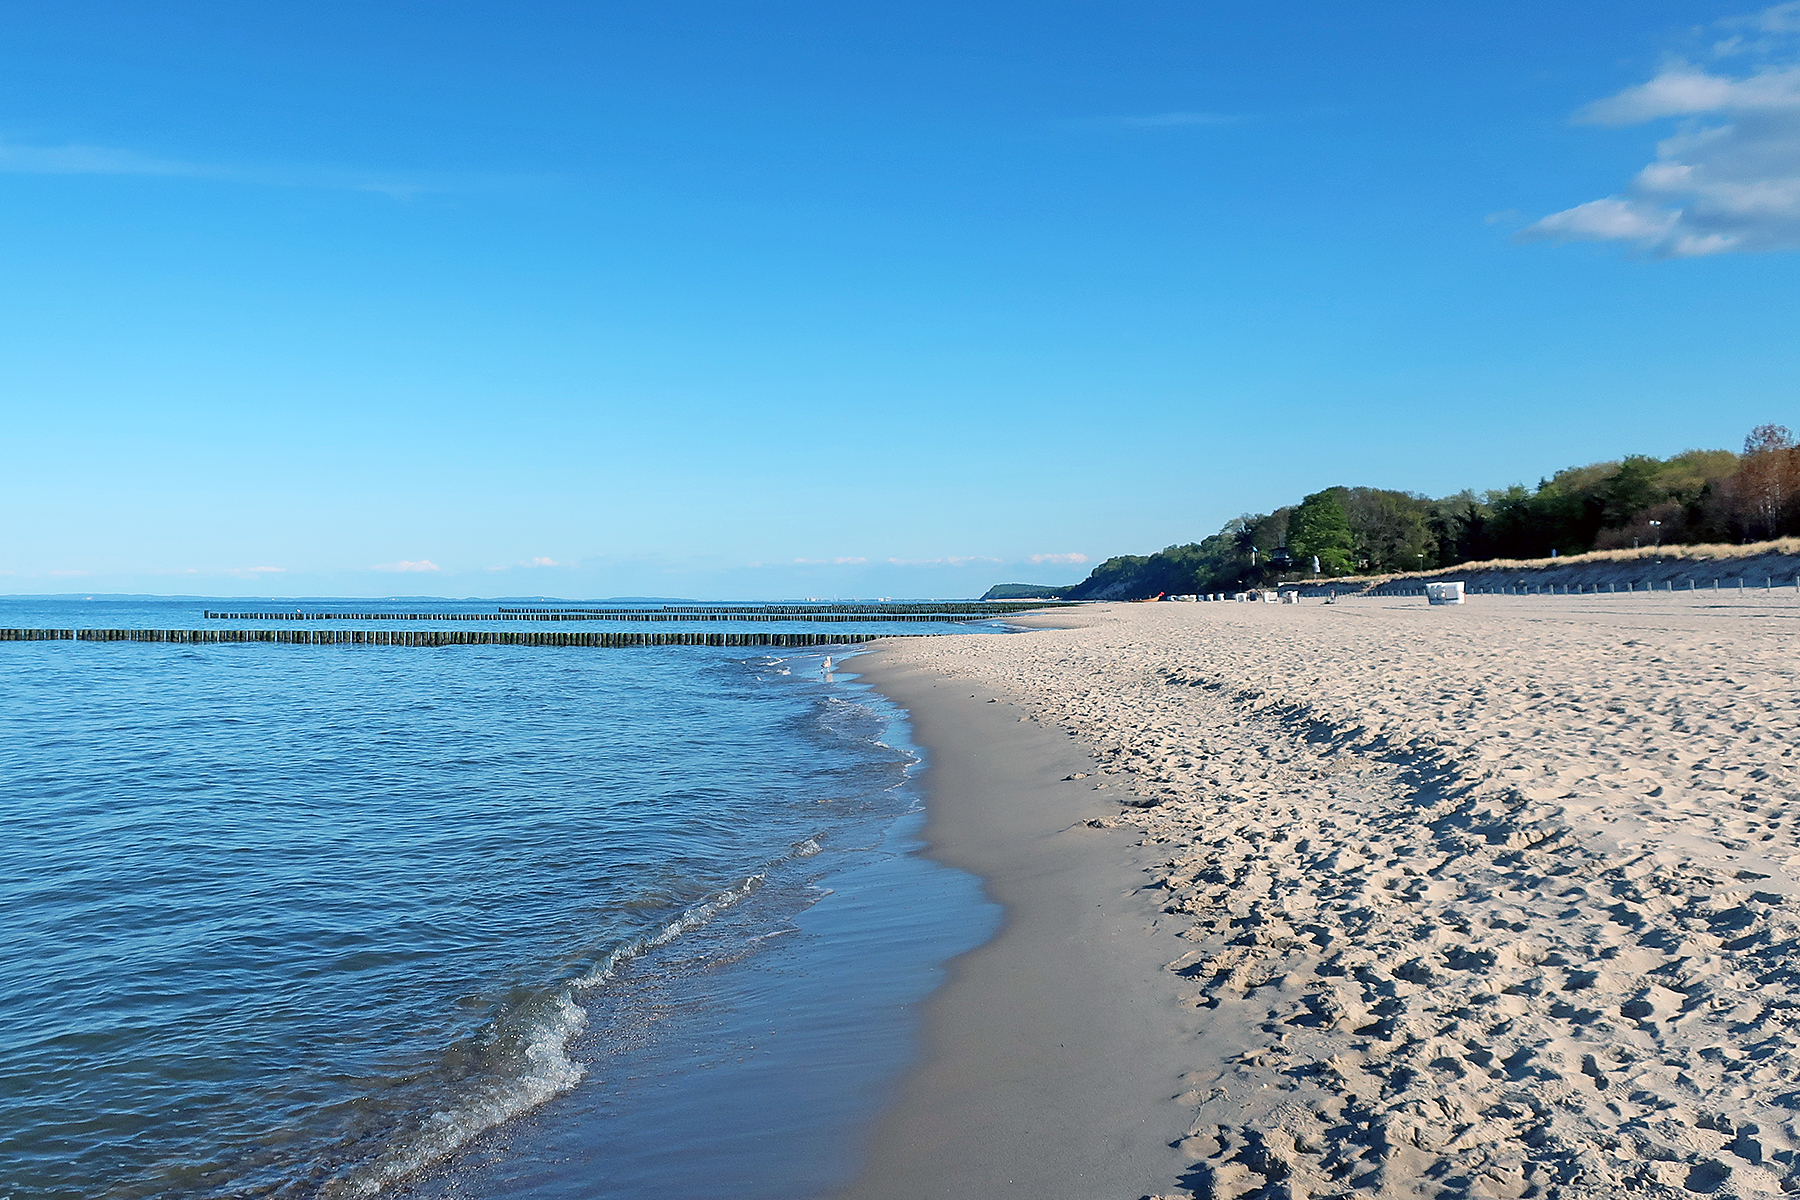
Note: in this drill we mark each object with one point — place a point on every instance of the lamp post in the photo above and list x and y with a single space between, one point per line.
1657 526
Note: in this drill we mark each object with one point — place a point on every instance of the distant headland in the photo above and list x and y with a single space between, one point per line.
1695 498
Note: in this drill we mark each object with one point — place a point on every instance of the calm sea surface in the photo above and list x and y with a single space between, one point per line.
468 921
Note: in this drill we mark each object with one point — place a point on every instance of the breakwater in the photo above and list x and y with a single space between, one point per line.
685 618
442 637
332 616
942 608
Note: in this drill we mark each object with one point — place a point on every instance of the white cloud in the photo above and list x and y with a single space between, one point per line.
845 561
544 562
1602 220
1059 558
424 564
1728 179
1678 91
1782 19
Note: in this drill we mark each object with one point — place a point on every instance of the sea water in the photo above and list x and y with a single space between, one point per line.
475 920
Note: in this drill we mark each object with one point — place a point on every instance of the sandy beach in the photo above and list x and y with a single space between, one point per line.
1369 898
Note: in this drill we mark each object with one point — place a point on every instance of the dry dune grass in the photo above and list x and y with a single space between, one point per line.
1719 553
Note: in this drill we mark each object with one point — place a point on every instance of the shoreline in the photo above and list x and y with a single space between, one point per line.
761 1044
1045 1067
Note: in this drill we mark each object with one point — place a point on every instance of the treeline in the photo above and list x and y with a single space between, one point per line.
1694 497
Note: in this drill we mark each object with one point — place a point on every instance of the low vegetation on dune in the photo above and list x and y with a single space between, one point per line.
1713 498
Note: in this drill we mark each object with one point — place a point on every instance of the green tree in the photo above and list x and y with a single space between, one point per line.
1460 529
1689 474
1388 530
1320 528
1634 487
1698 495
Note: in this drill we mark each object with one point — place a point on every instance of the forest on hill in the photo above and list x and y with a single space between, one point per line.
1695 497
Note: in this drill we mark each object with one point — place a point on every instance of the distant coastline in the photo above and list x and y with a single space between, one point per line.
1712 504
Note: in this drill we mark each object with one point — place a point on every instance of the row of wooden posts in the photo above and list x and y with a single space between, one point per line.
963 607
440 637
1551 589
597 615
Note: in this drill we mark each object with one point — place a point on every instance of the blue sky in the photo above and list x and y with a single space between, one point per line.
780 299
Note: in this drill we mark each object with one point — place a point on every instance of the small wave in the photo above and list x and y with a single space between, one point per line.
544 1070
690 918
849 720
696 915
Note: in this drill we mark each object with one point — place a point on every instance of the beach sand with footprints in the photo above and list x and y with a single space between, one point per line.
1489 900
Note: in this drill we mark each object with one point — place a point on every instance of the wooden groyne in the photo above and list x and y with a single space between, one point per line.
1530 586
325 616
906 607
599 615
442 637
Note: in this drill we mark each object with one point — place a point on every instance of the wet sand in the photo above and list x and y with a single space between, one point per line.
1046 1052
1378 899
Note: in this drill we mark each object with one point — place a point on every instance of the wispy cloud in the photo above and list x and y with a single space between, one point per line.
1070 559
79 159
423 564
1728 179
1759 32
